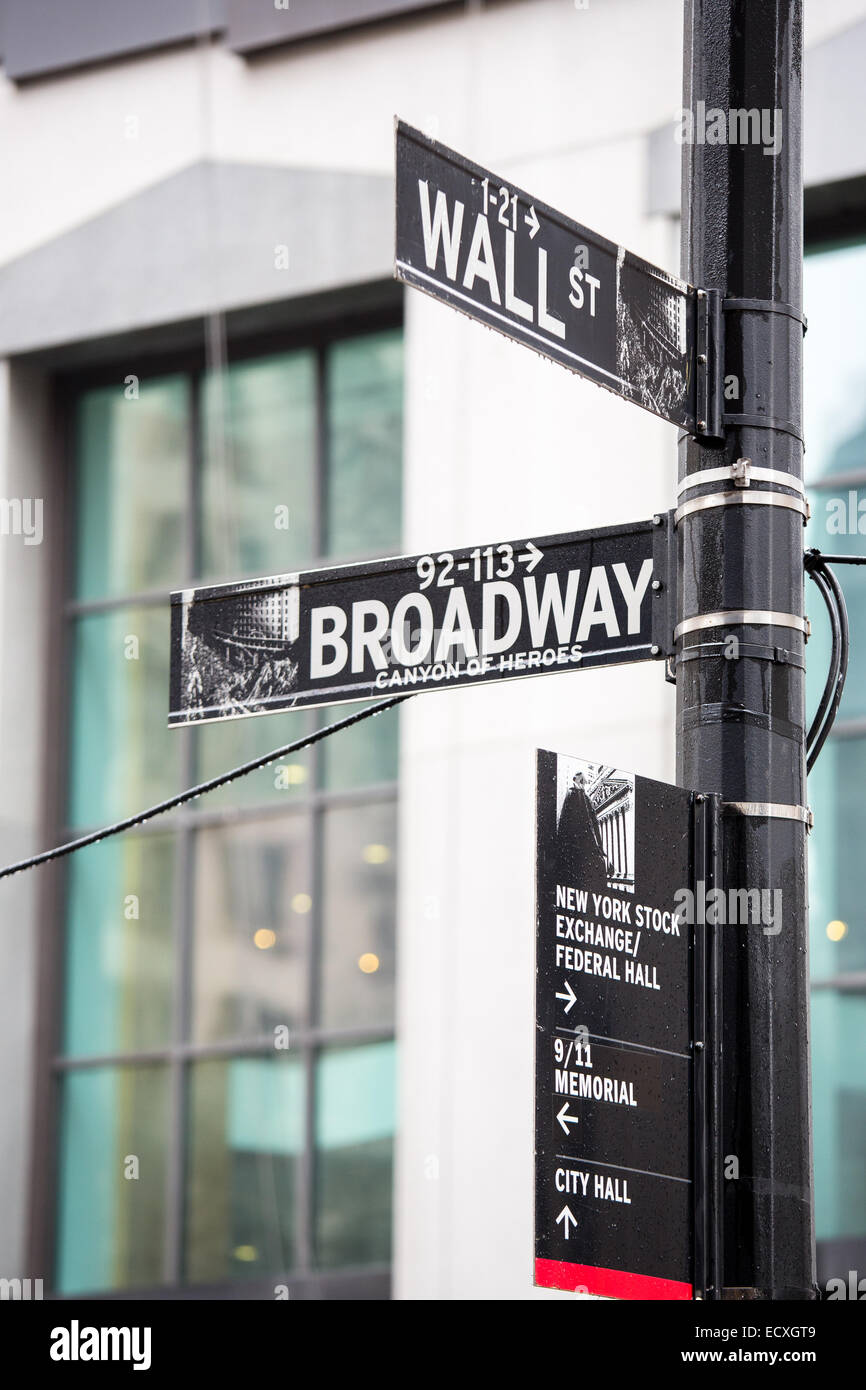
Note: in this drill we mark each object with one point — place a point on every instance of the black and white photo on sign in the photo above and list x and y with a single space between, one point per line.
594 825
245 659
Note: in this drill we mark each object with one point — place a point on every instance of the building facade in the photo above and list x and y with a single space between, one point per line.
282 1039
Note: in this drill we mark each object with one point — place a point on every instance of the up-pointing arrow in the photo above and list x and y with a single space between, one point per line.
565 1119
531 556
532 222
565 1216
570 997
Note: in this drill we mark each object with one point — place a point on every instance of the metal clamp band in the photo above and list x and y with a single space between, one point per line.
740 498
698 716
770 810
725 475
698 651
740 617
764 306
765 422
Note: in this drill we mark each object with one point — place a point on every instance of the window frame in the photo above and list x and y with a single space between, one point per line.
305 1279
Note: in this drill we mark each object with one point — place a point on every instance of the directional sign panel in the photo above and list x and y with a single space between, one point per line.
486 247
421 622
613 1173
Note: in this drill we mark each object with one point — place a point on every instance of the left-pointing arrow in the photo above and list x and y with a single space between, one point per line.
565 1119
566 1216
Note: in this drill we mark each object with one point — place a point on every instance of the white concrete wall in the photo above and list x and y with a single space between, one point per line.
517 82
501 444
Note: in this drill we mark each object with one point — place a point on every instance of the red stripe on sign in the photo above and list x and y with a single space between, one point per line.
608 1283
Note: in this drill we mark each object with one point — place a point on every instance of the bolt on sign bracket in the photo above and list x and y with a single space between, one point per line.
709 364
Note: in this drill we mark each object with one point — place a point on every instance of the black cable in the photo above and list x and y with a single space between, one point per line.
826 593
817 566
209 786
838 559
842 612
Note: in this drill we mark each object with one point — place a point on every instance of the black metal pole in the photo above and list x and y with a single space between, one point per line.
740 634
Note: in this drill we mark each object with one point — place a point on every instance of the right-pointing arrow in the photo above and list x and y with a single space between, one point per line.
531 556
565 1216
570 997
565 1119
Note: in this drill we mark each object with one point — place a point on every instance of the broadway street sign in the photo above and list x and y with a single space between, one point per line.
501 256
422 622
614 963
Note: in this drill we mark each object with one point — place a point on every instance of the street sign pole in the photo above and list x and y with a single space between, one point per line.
741 633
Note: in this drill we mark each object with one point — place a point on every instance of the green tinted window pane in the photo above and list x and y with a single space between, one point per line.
355 1122
362 755
245 1142
838 909
259 433
119 958
839 1106
359 853
132 457
123 756
225 744
113 1124
365 445
252 909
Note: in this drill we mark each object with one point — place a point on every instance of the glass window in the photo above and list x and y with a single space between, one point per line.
259 427
113 1144
355 1120
839 1106
211 930
359 851
252 901
119 958
123 757
245 1146
132 445
365 428
835 395
235 741
363 754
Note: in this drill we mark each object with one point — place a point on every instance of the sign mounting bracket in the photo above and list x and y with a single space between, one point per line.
709 365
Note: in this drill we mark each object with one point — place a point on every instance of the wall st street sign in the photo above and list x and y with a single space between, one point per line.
487 248
614 1029
422 622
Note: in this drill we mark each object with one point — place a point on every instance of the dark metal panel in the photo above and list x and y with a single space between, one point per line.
44 36
252 27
